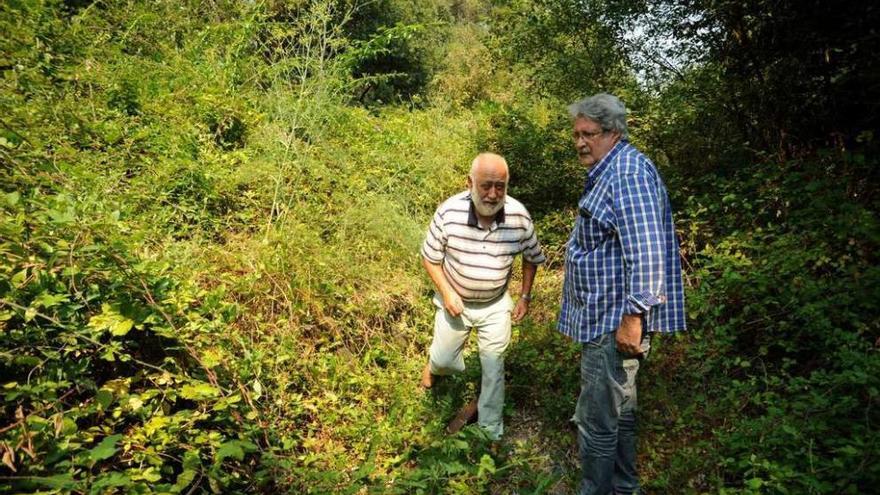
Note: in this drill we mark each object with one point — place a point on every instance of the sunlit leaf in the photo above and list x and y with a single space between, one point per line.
198 391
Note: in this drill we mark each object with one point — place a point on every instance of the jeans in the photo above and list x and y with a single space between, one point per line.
606 419
492 322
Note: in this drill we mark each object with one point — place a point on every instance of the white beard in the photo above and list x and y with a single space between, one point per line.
485 209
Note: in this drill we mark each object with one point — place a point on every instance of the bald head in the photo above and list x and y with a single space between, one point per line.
489 163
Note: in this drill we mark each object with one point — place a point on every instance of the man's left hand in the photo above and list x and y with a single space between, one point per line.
629 335
520 311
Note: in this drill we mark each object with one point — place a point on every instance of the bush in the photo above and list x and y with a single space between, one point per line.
111 376
782 348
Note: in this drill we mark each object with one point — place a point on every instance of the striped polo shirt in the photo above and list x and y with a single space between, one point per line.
476 261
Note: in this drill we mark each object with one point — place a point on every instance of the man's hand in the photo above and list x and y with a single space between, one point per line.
451 300
629 335
521 310
452 303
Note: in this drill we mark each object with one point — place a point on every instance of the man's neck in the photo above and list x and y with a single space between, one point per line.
485 222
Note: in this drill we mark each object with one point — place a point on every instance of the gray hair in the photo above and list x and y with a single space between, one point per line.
604 109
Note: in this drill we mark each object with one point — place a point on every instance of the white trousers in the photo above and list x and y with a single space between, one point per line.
492 323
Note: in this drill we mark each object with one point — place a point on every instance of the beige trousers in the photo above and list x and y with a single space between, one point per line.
491 320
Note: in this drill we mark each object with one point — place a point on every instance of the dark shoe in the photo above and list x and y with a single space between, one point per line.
467 415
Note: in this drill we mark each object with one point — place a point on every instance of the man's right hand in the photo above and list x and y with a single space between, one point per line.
452 303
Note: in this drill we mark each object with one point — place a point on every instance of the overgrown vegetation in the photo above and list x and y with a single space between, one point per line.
211 214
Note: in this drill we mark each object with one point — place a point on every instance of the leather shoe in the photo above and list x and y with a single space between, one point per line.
466 415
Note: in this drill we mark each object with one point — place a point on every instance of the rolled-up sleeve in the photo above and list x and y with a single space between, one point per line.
434 247
639 223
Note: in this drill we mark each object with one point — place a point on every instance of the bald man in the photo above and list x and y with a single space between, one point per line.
468 253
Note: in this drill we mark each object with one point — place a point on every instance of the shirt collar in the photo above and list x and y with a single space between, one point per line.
597 169
473 221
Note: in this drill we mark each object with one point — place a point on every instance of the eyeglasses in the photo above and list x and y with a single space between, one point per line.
587 135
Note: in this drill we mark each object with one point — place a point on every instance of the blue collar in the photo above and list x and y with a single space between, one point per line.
599 168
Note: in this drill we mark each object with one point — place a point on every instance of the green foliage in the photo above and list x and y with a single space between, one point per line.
101 358
198 293
781 283
409 35
210 277
564 47
469 74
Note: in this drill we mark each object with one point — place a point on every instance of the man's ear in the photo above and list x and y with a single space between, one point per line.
470 183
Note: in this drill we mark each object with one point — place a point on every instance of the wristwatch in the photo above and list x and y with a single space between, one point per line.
527 297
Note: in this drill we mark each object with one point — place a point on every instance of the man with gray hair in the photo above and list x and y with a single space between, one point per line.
468 253
622 283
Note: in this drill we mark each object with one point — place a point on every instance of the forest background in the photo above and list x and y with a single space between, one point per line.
211 214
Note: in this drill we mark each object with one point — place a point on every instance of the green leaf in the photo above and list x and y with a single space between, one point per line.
487 465
12 198
62 218
108 355
454 467
198 391
105 449
234 449
184 479
47 300
104 398
192 459
849 450
108 480
111 319
150 474
121 327
135 403
230 449
60 481
258 389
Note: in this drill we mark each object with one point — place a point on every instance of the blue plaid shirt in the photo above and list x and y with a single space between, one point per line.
622 257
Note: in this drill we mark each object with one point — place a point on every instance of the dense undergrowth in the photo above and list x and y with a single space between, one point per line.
210 279
781 372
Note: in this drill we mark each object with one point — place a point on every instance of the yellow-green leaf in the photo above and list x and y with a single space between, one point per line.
198 391
19 278
110 319
121 327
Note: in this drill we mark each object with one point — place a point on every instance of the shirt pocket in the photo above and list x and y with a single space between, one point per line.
593 227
